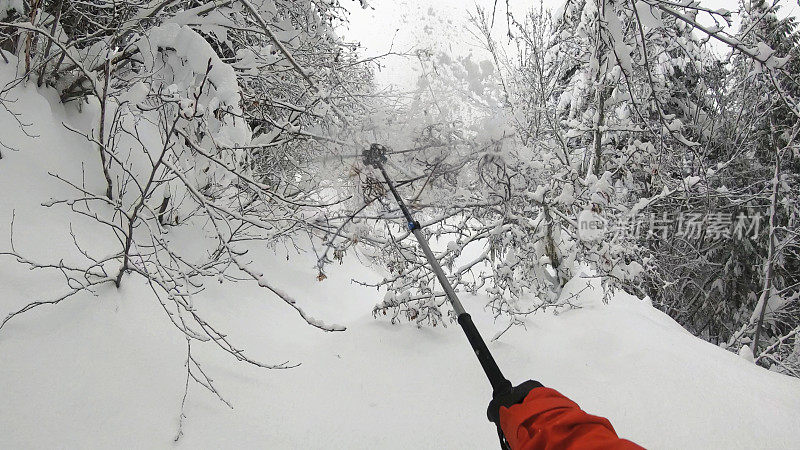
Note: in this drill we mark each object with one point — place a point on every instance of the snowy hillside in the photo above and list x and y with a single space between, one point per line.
108 370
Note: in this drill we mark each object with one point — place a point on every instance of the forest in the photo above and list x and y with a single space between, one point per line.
646 148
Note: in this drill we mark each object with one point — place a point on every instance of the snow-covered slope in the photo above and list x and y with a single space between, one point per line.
108 370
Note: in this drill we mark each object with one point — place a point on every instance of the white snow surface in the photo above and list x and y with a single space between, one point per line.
107 371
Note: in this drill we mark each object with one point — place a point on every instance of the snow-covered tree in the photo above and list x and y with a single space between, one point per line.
617 113
768 320
206 116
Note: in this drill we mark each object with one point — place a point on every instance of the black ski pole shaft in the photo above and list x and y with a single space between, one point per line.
375 157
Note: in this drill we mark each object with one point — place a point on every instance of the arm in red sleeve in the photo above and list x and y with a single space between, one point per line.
548 420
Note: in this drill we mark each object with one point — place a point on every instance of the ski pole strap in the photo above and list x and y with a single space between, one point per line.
500 385
503 441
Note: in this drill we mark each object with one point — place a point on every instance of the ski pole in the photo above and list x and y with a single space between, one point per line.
375 156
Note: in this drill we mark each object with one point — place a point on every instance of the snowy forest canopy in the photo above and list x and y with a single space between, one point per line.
609 138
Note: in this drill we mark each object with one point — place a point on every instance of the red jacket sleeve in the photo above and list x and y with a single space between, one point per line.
548 420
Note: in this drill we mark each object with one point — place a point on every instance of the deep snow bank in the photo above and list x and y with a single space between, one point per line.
108 370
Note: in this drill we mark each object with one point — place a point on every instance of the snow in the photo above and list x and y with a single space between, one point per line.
9 6
538 194
567 195
199 57
591 226
107 370
746 353
649 16
692 181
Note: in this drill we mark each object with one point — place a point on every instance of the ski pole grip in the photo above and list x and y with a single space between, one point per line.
499 383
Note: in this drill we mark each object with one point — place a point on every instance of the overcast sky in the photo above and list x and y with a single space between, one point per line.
407 24
442 24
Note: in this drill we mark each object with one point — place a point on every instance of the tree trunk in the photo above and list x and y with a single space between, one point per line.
762 302
101 139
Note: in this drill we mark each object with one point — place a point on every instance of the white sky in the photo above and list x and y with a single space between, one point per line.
442 24
407 24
